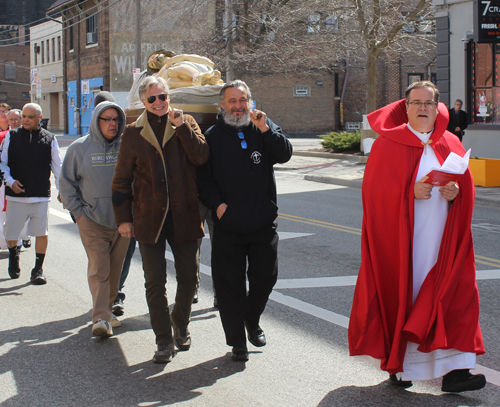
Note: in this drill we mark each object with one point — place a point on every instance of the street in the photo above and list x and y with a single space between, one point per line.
48 356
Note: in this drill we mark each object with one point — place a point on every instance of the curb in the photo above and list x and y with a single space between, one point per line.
355 183
358 182
359 158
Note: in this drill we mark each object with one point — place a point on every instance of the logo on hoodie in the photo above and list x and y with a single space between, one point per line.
256 157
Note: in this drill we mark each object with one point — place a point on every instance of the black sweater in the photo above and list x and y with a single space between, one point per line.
242 178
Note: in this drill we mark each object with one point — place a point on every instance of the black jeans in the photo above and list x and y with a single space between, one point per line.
230 253
186 260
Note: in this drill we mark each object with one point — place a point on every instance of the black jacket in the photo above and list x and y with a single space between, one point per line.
242 178
30 157
457 120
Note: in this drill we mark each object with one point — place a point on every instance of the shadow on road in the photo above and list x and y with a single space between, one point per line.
60 364
385 394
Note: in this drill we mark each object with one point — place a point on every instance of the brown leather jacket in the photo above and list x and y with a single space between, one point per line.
140 192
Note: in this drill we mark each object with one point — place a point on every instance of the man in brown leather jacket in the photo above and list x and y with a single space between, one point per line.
155 200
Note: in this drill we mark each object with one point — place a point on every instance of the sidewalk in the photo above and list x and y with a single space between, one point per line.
348 169
338 169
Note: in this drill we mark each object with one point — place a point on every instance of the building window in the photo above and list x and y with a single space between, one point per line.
48 50
302 91
10 70
71 38
26 96
92 29
59 48
53 50
42 56
415 77
36 50
485 83
3 95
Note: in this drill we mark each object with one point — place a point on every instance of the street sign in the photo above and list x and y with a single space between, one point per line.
486 21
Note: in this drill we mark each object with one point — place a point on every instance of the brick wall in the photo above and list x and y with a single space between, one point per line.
93 59
14 87
274 94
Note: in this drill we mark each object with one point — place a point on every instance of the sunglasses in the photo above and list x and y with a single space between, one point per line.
242 138
108 121
162 97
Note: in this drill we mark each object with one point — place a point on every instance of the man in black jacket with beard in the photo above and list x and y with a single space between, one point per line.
237 184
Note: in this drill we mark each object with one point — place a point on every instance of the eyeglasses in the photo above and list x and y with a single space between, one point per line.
162 97
108 121
242 138
427 105
4 111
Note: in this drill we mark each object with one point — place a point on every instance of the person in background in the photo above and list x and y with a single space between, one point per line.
14 118
458 120
4 121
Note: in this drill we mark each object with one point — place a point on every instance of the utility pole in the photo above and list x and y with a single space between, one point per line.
229 35
138 35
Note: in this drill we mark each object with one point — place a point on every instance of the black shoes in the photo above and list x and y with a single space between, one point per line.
27 243
195 298
239 354
393 379
14 268
462 380
37 277
182 338
216 303
118 307
255 335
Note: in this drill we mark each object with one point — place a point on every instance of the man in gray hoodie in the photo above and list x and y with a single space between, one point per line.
85 188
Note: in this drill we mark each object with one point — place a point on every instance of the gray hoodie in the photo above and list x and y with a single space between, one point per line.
87 172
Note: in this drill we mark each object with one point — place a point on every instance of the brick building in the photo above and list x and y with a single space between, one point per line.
15 74
101 53
15 20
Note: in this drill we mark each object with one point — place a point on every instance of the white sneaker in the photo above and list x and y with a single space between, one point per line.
102 328
115 322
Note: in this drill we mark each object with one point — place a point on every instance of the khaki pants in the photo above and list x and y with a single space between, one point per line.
106 250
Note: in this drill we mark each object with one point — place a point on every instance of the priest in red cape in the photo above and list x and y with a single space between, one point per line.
415 311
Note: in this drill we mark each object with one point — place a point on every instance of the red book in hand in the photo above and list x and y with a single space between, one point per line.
440 178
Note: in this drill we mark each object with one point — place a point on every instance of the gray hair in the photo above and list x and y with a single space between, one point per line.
149 81
234 84
459 100
37 107
18 111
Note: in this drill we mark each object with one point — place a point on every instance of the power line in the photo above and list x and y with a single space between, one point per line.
57 31
26 25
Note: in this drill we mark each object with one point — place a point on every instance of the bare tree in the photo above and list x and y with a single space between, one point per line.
302 35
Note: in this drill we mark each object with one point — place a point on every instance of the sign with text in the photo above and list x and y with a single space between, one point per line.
486 21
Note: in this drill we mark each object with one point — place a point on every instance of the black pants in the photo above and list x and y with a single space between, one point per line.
155 273
230 252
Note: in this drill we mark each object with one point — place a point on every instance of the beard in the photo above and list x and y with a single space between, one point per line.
230 120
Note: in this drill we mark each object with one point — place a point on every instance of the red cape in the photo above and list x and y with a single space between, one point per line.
446 312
